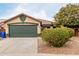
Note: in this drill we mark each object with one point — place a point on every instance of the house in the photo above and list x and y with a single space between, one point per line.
46 24
24 25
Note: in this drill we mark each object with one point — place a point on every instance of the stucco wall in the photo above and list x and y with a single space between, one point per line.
18 20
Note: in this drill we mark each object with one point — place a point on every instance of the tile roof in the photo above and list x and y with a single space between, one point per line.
39 20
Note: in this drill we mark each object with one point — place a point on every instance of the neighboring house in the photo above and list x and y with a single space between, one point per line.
23 25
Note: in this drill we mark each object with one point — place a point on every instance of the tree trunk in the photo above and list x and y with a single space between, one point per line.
76 31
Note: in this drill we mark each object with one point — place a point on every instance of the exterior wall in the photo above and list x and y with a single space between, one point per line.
12 21
18 20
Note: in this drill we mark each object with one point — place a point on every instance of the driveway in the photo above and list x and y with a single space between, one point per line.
18 46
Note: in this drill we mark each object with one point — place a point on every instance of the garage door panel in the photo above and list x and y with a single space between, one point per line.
22 31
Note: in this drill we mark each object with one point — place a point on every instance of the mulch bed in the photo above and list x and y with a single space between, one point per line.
70 48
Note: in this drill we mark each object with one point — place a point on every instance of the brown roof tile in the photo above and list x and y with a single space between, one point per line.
22 14
45 21
39 20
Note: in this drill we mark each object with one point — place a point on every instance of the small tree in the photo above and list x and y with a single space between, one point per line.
69 16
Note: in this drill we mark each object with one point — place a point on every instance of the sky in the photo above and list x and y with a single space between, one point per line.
45 11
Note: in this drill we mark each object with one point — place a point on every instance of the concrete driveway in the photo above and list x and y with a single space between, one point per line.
18 46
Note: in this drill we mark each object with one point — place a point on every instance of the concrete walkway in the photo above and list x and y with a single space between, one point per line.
18 46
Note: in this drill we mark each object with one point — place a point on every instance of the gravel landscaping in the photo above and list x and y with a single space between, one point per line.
70 48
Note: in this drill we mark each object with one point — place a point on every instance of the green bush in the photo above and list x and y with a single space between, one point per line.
71 32
56 37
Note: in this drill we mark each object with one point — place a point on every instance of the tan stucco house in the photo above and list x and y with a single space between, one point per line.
23 24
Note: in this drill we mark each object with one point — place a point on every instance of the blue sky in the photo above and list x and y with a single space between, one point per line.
37 10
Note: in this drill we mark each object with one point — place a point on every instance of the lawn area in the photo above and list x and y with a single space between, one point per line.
70 48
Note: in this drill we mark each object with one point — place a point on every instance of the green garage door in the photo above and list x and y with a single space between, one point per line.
22 30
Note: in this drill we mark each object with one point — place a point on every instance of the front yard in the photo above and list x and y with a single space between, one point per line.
28 46
70 48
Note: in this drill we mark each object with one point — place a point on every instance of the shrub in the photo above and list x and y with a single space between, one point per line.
71 32
56 37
